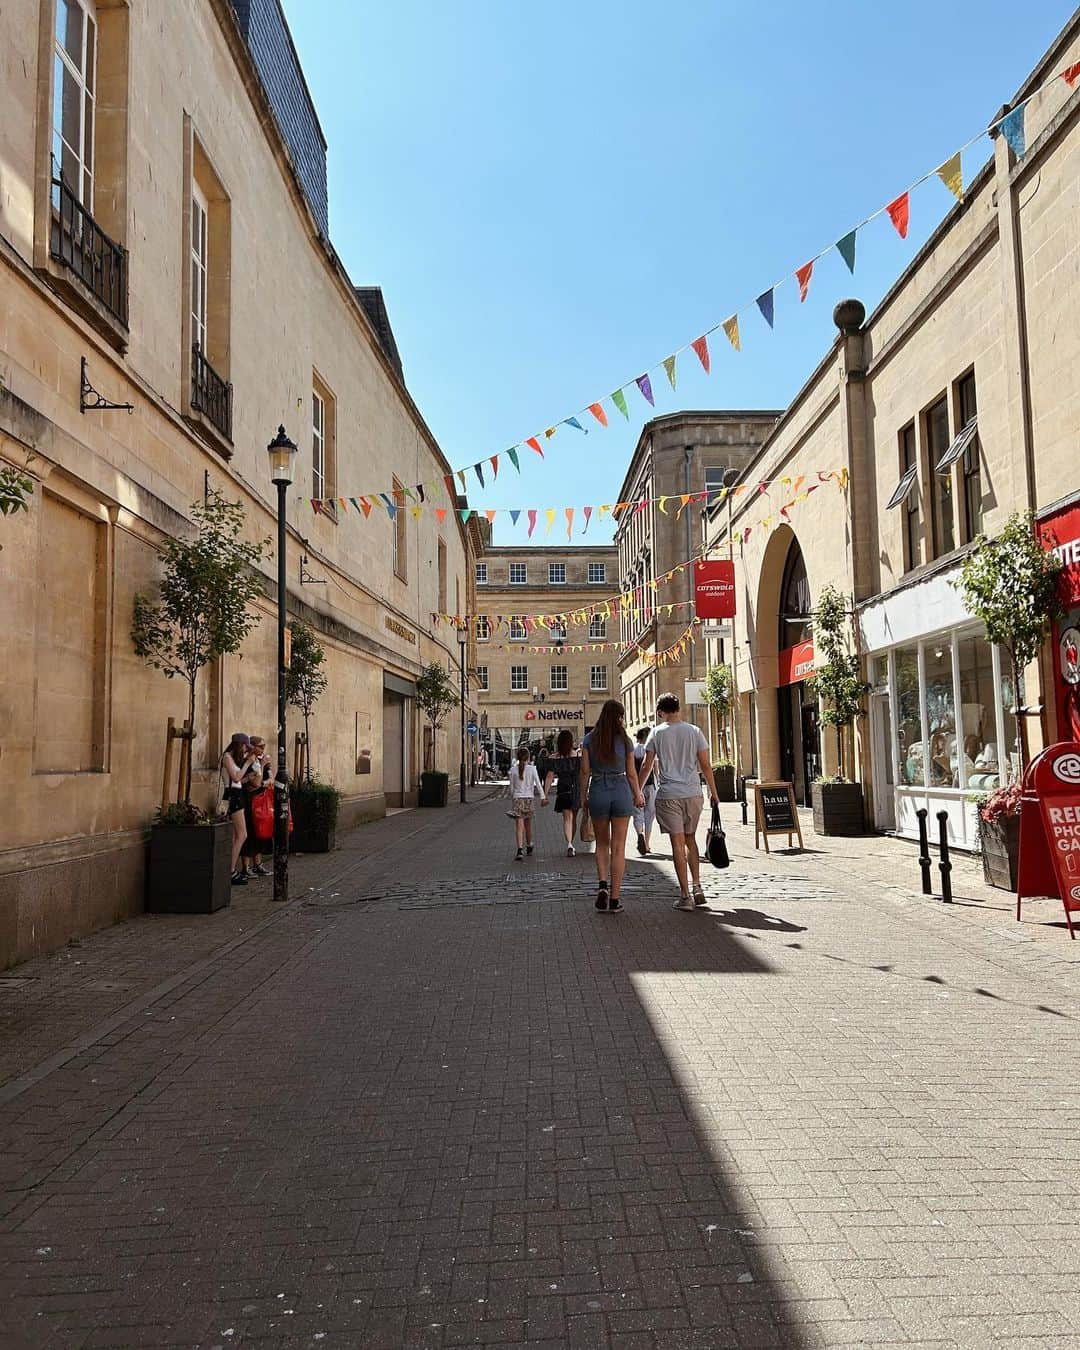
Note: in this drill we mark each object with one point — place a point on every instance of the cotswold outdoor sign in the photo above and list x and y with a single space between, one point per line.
555 715
714 589
399 629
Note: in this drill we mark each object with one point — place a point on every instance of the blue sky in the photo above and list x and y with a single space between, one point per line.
554 197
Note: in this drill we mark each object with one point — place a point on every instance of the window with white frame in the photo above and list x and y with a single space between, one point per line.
518 574
483 628
74 87
519 679
482 678
598 628
597 573
318 444
200 268
481 574
556 574
518 631
560 681
598 679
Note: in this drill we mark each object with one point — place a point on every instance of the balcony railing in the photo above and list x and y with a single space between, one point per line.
81 245
210 394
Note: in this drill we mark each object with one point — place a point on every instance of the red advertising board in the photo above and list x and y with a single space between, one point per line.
1061 532
714 589
795 664
1050 828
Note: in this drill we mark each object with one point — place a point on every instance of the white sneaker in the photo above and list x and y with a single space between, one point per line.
570 851
686 904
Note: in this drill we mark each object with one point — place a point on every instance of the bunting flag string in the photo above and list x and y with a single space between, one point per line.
949 172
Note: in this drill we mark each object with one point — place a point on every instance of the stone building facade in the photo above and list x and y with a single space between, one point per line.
163 243
676 455
534 680
955 403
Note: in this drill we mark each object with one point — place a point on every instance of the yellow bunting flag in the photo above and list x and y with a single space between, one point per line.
662 505
952 175
549 516
731 328
417 511
669 369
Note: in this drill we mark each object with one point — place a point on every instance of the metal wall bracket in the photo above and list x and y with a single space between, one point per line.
91 401
306 579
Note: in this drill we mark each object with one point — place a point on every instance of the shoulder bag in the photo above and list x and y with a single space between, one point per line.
716 841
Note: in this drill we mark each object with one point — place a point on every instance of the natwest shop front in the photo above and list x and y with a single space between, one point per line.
1059 530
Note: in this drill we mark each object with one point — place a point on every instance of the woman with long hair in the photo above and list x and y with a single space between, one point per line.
609 777
564 769
524 789
235 762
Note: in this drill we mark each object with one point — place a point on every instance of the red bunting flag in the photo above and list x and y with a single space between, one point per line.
316 506
1071 75
440 513
802 276
451 491
495 465
588 514
598 412
898 213
532 522
701 346
534 444
365 506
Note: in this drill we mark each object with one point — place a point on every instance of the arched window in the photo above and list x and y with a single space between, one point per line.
795 617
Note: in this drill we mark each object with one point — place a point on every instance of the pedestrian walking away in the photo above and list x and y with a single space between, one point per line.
679 752
233 765
645 816
564 770
525 789
609 780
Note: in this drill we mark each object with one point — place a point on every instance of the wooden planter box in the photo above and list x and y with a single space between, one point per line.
725 781
189 869
838 808
434 789
1000 851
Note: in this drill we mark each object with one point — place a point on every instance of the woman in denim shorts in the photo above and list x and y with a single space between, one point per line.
609 777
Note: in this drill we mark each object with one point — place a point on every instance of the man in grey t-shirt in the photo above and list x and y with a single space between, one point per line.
681 754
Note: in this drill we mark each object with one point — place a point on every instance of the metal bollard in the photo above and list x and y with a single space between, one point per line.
944 866
924 852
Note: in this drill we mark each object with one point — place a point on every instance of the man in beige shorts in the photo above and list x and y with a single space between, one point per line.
681 755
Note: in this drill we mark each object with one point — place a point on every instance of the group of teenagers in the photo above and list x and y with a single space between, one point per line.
245 774
653 779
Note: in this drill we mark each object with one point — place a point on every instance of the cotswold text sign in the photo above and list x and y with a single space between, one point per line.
555 715
714 589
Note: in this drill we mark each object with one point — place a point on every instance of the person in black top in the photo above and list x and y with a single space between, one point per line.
564 769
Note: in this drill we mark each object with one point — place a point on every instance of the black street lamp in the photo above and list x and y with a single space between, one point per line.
282 453
463 638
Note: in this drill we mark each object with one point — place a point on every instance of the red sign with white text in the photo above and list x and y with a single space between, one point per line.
714 589
1050 828
795 664
1061 533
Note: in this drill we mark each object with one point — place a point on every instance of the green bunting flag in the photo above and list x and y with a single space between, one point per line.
669 369
846 248
512 455
619 399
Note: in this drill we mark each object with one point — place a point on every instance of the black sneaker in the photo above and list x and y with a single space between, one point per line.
239 879
518 856
529 850
259 871
641 844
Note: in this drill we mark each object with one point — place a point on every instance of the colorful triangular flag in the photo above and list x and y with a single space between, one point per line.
569 520
701 346
534 444
645 385
765 304
619 399
597 410
899 211
802 276
587 512
514 516
1071 74
549 516
440 514
951 174
669 369
495 465
532 522
1012 128
512 455
479 473
731 328
846 248
573 422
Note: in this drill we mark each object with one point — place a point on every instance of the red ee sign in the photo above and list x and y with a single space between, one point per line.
1050 828
714 589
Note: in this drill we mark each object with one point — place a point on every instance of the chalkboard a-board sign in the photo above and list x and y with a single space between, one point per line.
775 813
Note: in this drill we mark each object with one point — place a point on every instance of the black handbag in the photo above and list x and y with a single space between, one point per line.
716 841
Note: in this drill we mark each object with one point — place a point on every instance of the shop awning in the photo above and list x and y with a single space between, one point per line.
964 437
903 487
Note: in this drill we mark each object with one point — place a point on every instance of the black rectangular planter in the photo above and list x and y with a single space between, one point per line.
1000 841
725 782
189 868
838 808
433 789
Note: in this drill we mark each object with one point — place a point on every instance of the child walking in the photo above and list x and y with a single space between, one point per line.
525 788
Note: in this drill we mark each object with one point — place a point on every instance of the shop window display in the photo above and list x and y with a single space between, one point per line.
909 717
978 703
944 764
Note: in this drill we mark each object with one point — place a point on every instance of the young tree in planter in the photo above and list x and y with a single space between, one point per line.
1010 583
719 694
836 679
305 680
435 695
202 610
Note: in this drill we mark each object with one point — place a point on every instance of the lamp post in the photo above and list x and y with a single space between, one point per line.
463 638
282 453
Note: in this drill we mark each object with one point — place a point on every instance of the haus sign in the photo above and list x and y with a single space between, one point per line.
555 715
714 589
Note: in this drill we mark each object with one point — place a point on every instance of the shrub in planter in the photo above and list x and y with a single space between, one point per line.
315 808
724 773
999 835
434 789
838 807
189 861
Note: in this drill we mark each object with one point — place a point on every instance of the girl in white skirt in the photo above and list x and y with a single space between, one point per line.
525 788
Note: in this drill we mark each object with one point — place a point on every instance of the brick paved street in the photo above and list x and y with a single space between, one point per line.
438 1101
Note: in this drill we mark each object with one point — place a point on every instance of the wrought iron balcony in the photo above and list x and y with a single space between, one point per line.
210 394
78 242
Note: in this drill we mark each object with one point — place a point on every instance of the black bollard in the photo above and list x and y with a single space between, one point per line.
924 852
944 866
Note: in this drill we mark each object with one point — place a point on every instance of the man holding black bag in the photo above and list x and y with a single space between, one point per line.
681 755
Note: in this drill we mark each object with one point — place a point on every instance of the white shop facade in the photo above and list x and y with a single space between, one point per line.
941 729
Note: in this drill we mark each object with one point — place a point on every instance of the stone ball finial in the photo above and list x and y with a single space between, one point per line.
849 315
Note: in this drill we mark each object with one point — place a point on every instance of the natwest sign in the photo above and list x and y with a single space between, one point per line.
554 714
714 589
